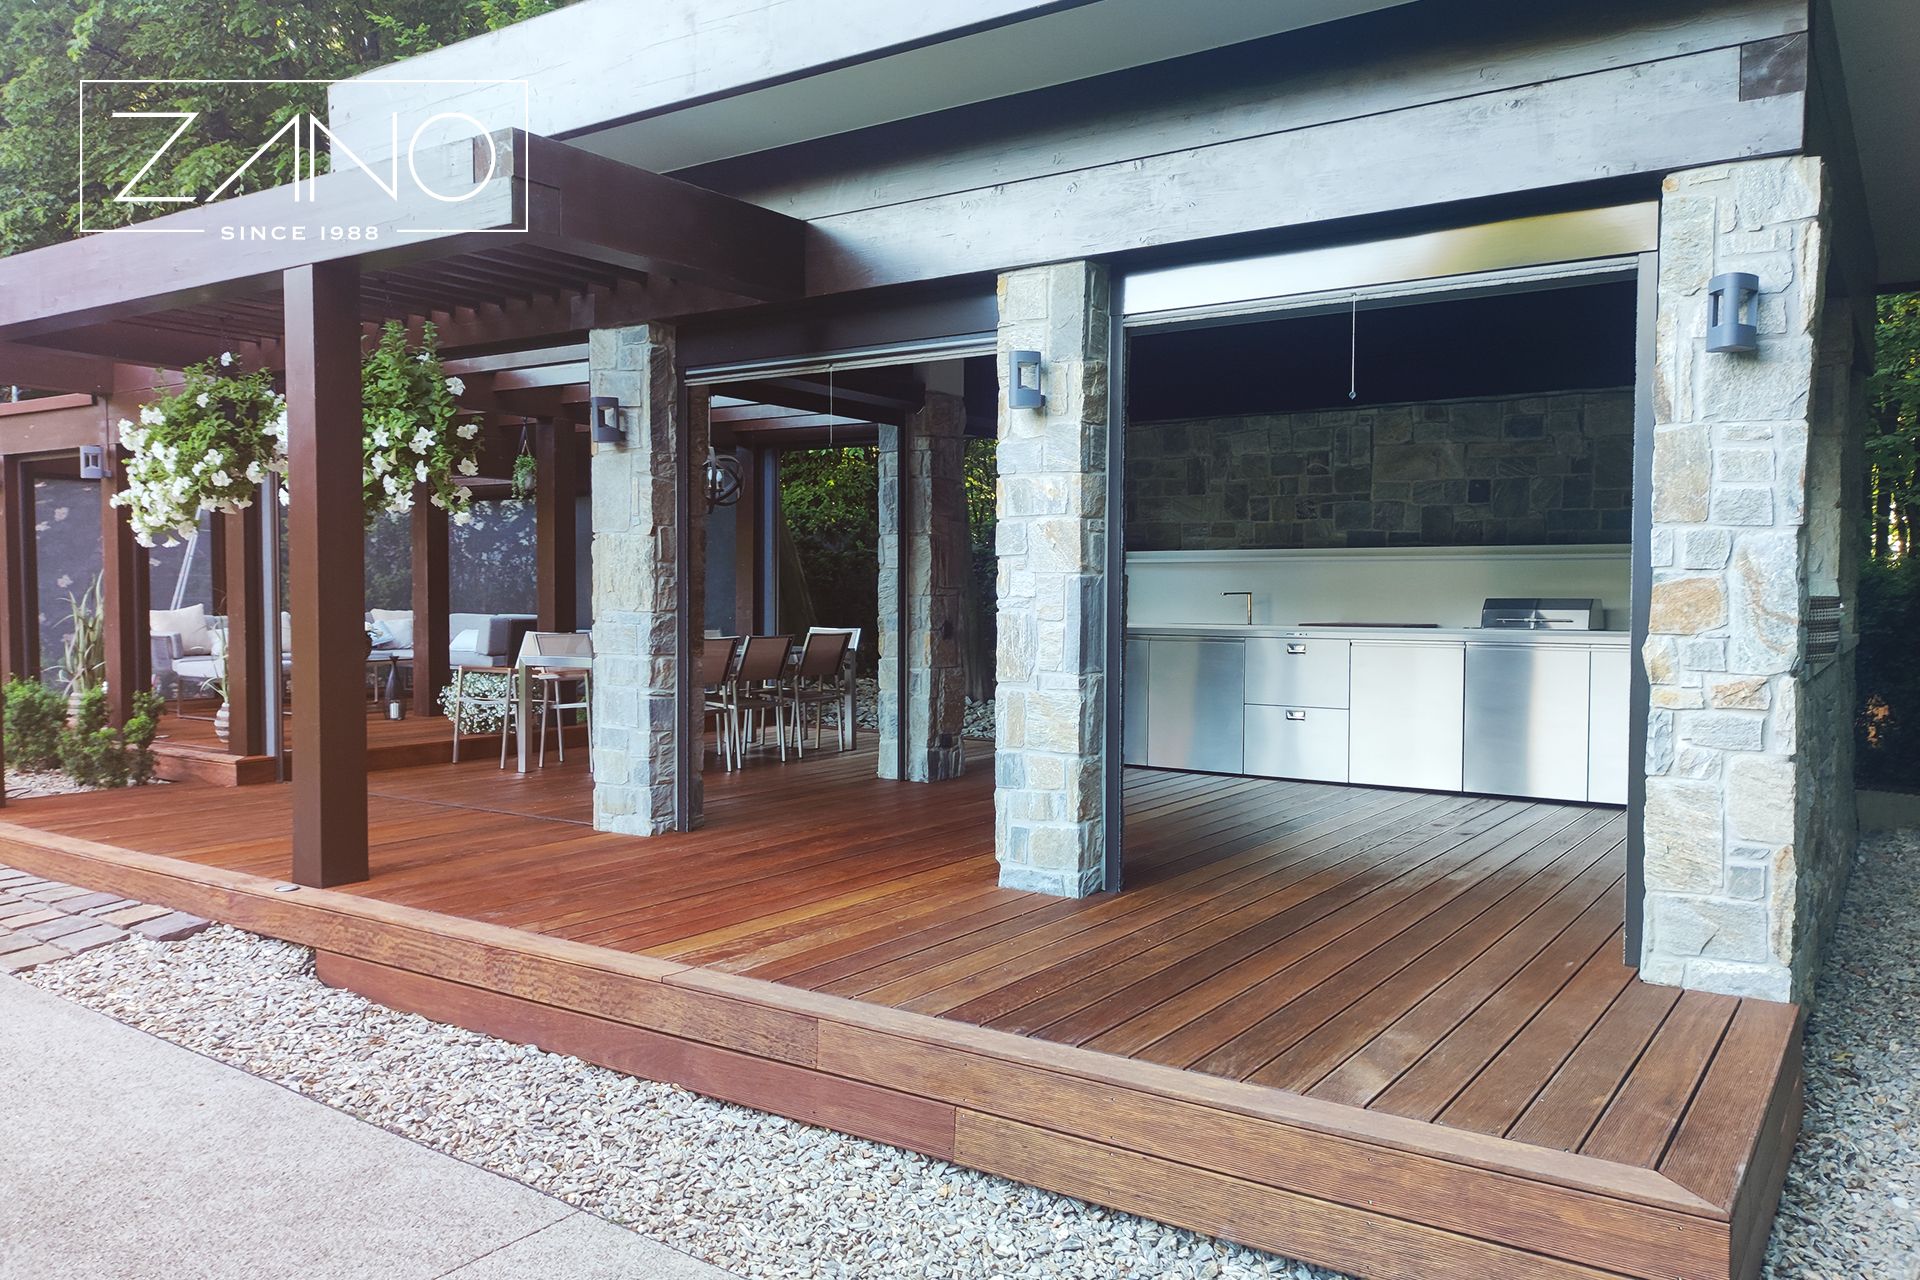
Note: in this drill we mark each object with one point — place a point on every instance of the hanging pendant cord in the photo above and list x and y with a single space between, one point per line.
1353 354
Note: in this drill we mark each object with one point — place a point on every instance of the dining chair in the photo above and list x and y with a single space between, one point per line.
569 657
716 668
759 685
849 664
815 681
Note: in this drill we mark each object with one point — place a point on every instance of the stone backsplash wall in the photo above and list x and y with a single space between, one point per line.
1515 471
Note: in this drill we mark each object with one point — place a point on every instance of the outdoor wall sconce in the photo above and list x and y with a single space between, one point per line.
606 420
1733 303
93 462
723 479
1023 381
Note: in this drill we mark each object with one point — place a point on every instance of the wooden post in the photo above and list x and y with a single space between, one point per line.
217 567
123 597
240 585
557 450
431 603
327 565
19 603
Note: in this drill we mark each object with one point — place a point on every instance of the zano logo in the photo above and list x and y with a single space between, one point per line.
398 154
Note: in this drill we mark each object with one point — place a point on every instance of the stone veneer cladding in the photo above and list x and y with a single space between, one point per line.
1507 471
1050 703
637 593
1749 828
935 543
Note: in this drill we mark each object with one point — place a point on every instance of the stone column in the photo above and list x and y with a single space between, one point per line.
934 543
1049 822
1748 831
637 593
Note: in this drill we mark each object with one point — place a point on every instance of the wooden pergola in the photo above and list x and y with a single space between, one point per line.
553 242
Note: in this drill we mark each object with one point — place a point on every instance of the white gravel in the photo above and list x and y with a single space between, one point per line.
755 1193
22 783
866 710
1851 1207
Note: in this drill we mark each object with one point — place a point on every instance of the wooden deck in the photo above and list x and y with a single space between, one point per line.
1385 1031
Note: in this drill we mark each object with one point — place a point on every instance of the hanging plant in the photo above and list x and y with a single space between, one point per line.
205 447
416 436
526 476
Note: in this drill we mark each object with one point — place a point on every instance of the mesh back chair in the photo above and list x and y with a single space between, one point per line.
759 684
716 668
849 663
570 656
816 681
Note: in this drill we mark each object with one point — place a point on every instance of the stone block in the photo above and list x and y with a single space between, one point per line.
1761 795
1711 928
1727 730
1684 843
1687 606
1704 548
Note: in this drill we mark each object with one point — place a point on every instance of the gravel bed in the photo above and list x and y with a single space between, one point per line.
755 1193
1851 1207
42 782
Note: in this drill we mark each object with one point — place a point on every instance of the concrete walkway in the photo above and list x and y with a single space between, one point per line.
122 1155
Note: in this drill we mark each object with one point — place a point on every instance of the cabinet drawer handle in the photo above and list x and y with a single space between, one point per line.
1296 715
1296 648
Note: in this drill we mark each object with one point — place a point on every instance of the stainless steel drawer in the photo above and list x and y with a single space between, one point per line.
1297 742
1407 712
1195 704
1137 671
1303 672
1609 751
1526 731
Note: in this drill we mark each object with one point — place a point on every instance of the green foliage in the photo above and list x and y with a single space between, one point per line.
48 46
1888 740
205 447
83 661
414 434
36 717
91 753
830 501
137 736
526 475
1893 428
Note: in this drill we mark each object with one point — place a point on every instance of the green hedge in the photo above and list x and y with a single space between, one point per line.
1888 753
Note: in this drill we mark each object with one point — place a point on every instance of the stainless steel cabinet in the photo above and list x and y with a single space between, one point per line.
1609 753
1307 671
1407 701
1196 704
1137 666
1297 742
1526 721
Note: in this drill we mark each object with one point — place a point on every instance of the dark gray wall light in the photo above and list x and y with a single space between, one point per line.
1023 381
1733 304
606 420
93 462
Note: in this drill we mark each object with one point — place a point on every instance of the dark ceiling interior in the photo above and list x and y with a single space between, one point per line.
1501 344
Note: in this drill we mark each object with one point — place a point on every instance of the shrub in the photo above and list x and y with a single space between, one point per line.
90 752
137 736
35 718
1888 753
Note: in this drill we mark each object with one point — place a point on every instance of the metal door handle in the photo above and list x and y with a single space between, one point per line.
1296 715
1296 648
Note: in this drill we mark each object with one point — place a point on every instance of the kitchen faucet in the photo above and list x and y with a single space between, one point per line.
1249 596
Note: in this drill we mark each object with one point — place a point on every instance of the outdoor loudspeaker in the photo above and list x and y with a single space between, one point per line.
1733 304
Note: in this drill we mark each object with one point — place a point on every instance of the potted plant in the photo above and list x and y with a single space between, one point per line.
83 658
205 447
416 437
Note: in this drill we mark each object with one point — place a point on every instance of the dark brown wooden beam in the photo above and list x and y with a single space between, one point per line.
432 600
327 567
44 369
123 597
19 603
558 449
240 592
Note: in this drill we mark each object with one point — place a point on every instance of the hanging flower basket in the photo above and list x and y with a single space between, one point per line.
416 437
205 447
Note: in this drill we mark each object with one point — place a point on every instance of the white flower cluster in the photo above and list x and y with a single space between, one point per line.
416 442
169 484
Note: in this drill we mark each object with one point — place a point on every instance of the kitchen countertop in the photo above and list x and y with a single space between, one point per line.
1445 635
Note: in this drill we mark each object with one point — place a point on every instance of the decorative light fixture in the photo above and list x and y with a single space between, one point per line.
606 420
723 479
93 462
1733 304
1024 390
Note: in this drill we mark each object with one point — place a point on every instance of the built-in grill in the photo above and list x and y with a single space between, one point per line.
1540 613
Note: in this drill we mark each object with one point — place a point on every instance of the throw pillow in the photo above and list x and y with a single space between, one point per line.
467 641
190 624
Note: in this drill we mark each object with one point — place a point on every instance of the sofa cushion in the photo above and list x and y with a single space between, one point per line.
190 624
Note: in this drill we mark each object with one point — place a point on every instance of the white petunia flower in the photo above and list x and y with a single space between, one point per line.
463 517
468 467
220 479
226 359
151 416
422 441
456 386
420 472
467 430
201 399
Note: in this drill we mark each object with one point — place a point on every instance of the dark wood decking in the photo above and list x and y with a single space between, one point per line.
1393 957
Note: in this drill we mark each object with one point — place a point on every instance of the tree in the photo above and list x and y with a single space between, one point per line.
1893 429
47 47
